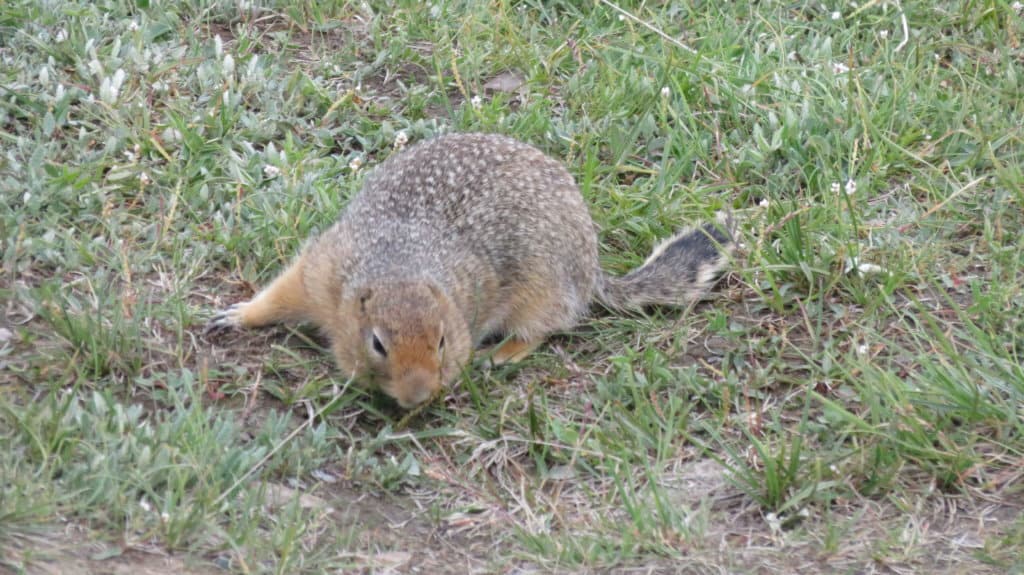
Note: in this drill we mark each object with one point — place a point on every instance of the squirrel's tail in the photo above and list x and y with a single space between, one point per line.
679 270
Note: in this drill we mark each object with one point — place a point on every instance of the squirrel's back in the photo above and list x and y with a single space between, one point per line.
484 215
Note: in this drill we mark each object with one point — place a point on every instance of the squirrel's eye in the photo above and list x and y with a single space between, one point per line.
378 346
440 345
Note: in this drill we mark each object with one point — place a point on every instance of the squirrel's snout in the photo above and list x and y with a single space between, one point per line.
415 387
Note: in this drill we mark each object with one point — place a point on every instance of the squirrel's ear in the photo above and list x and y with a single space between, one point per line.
364 296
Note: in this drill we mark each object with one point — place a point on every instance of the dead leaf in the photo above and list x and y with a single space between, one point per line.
508 82
278 496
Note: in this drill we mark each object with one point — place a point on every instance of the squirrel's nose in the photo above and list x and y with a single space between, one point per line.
415 387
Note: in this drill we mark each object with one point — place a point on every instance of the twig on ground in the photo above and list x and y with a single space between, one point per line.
295 432
650 27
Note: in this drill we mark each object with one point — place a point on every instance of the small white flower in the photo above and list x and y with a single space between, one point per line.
26 197
851 187
401 139
665 92
753 419
476 101
839 68
133 25
164 516
862 349
927 137
171 135
869 269
1017 7
621 18
252 68
763 203
271 171
144 179
834 188
837 15
145 505
355 163
61 35
863 269
110 88
883 34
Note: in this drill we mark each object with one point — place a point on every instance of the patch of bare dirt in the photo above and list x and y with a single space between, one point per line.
77 551
312 50
397 532
943 535
274 30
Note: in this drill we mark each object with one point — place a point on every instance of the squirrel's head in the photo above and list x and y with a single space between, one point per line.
414 340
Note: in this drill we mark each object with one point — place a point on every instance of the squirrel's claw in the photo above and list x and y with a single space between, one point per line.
225 319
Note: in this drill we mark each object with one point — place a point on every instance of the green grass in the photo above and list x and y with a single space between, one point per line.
849 399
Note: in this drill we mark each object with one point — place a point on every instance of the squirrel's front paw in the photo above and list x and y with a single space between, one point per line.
227 318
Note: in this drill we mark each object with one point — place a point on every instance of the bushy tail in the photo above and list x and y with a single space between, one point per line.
679 270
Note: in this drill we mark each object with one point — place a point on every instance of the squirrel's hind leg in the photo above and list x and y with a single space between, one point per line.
539 307
513 350
284 299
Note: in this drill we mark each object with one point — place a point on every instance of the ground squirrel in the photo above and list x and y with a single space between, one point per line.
452 242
